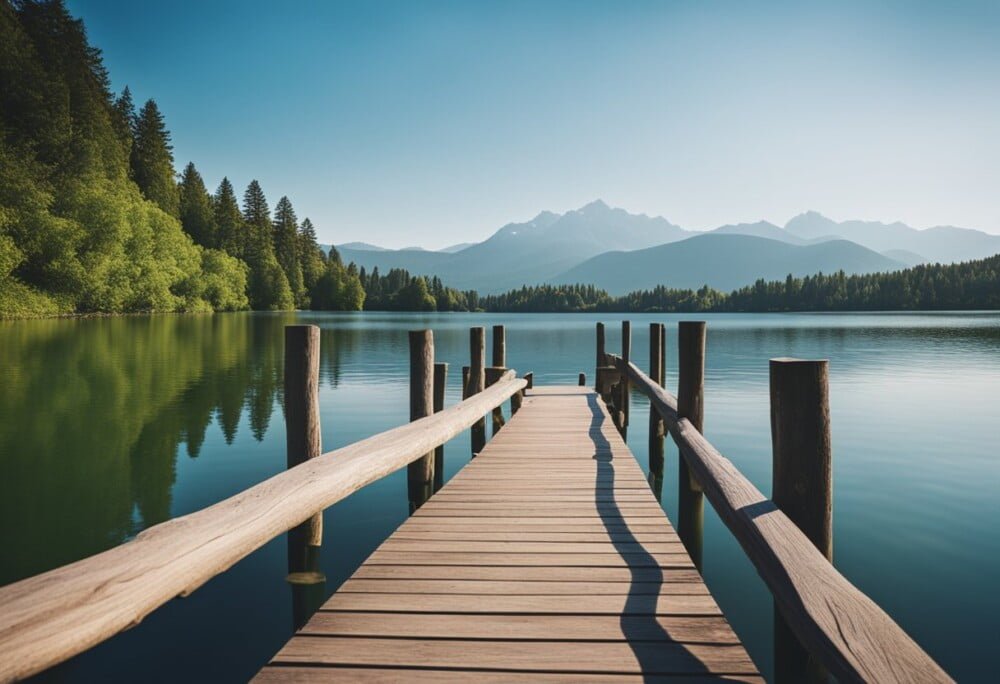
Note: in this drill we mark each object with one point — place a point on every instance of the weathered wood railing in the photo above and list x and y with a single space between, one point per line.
846 632
51 617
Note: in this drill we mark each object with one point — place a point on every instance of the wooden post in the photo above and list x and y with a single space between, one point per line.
601 361
302 429
302 442
420 473
623 386
691 405
582 379
530 378
493 373
802 483
656 425
499 346
465 383
440 382
477 362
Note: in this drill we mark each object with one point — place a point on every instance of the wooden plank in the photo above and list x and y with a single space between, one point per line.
687 629
604 604
522 546
552 573
520 587
631 560
565 656
374 675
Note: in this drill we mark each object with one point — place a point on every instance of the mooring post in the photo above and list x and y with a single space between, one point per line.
420 473
477 378
493 374
656 425
303 442
601 361
691 405
499 346
582 379
465 383
801 483
623 384
529 377
440 382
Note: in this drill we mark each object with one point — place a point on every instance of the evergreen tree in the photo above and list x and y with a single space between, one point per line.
311 256
268 285
123 119
286 247
153 160
197 217
231 233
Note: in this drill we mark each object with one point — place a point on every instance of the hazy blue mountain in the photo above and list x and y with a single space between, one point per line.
764 229
722 261
362 246
943 243
530 252
451 249
907 257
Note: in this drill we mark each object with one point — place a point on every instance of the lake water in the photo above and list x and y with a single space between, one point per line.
111 425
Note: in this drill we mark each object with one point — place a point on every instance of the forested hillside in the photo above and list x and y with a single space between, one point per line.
92 217
969 285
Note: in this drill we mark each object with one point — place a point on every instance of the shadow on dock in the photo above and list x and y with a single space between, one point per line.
642 630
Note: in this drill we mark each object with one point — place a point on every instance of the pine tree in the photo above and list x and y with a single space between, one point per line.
231 232
197 217
268 284
153 159
124 120
286 247
311 256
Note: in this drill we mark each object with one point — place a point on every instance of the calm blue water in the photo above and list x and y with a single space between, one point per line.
108 426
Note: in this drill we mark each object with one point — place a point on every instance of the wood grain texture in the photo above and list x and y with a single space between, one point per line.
545 556
842 628
50 617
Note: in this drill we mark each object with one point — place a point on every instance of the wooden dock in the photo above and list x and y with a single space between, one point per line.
546 558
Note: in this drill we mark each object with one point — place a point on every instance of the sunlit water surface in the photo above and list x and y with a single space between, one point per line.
111 425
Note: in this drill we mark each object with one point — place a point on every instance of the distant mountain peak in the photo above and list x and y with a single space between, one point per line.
598 205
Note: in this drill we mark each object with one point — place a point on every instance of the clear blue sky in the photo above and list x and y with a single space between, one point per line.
430 123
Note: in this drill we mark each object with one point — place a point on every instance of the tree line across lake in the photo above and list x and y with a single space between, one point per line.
94 220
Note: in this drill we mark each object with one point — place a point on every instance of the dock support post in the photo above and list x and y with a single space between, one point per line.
302 442
493 374
499 347
582 380
802 483
465 383
691 405
623 384
656 425
477 363
420 473
440 382
601 361
530 379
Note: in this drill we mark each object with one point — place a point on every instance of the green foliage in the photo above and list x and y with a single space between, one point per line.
153 160
230 230
970 285
337 289
399 291
196 211
312 259
286 247
268 287
76 235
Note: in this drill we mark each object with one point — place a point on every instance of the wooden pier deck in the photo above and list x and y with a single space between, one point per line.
547 558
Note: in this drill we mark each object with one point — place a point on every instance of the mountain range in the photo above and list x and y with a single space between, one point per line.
618 251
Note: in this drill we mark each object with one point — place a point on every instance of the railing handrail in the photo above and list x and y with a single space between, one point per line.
837 623
53 616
